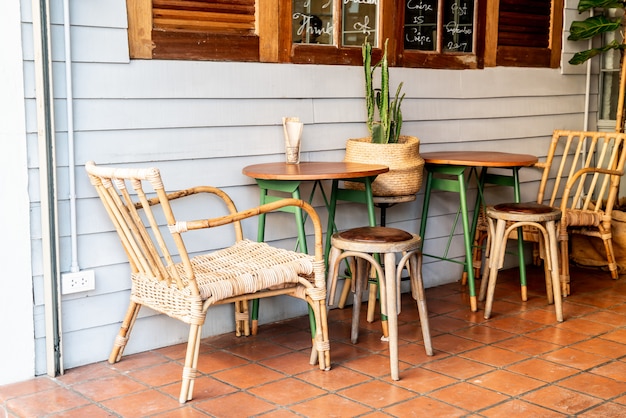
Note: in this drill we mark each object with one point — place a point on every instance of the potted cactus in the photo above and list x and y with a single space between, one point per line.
387 128
385 145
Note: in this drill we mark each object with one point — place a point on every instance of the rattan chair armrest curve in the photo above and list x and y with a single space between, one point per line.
227 200
268 207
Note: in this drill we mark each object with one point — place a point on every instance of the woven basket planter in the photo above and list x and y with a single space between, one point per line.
405 164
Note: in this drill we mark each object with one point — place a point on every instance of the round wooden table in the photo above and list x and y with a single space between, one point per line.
286 178
446 171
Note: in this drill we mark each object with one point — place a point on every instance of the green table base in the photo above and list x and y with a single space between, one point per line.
451 178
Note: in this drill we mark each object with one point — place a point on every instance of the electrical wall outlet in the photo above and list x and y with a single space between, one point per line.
78 282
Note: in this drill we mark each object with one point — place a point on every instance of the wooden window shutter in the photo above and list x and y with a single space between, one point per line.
195 29
527 33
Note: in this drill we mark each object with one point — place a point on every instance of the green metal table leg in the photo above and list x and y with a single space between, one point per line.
293 188
510 181
455 182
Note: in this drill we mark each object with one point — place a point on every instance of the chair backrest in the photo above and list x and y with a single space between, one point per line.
133 214
582 171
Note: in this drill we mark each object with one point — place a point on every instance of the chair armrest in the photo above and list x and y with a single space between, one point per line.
268 207
226 199
584 171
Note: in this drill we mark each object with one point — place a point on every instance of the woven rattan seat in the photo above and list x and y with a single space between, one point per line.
359 245
165 278
505 218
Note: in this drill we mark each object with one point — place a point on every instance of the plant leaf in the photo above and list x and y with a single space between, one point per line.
582 56
591 27
584 5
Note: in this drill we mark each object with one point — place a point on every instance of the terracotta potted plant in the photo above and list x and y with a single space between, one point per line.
385 145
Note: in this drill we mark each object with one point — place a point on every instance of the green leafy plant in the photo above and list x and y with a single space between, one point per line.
387 128
595 26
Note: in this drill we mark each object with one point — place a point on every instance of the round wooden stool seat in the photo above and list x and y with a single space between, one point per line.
362 248
522 218
376 239
529 212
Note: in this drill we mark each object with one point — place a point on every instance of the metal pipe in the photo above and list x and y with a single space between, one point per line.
74 268
47 174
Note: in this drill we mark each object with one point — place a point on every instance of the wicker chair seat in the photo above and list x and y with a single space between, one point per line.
248 267
244 268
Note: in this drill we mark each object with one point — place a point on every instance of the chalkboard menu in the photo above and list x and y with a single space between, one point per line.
422 26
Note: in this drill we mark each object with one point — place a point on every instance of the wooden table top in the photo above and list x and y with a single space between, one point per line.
479 158
313 171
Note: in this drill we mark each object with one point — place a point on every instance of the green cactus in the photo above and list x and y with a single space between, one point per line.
387 128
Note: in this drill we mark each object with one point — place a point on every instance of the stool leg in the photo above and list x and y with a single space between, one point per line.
417 288
485 277
495 261
544 254
360 278
392 312
554 259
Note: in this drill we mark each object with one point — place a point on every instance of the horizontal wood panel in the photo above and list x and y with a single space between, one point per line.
205 46
521 56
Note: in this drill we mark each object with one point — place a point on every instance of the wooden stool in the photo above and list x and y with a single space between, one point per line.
512 217
383 203
360 244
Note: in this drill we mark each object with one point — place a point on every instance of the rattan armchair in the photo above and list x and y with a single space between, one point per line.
580 176
165 278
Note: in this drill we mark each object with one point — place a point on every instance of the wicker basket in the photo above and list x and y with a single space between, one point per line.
405 164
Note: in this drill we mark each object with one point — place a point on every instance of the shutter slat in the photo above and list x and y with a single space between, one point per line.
212 16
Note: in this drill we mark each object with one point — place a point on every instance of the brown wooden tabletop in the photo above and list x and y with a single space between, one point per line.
479 158
313 171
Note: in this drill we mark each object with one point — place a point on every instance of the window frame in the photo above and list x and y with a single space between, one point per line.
272 42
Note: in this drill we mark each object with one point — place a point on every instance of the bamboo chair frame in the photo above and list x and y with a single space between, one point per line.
580 176
187 288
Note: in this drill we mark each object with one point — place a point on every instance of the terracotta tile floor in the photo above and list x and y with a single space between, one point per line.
519 363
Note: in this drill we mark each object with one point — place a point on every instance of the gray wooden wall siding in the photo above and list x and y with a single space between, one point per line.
202 122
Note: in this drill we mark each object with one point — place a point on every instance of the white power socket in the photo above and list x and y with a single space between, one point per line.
78 282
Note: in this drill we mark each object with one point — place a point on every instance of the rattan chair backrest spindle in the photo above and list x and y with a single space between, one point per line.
143 241
582 171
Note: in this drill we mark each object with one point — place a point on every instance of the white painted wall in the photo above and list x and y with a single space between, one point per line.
202 122
16 290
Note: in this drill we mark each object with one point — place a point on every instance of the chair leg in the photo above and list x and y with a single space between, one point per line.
191 363
347 284
124 334
333 271
242 320
564 267
610 257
